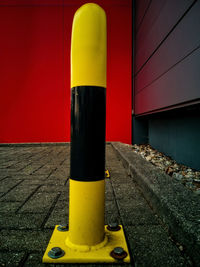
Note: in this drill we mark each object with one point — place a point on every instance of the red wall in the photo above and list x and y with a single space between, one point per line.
35 70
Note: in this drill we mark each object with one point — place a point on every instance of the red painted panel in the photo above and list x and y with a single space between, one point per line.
32 98
35 72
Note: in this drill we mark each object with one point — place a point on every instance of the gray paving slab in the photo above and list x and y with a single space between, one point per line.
11 259
59 215
25 240
21 221
30 210
151 246
7 184
40 202
19 193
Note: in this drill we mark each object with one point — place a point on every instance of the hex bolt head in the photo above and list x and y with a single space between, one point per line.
113 226
63 227
56 253
118 253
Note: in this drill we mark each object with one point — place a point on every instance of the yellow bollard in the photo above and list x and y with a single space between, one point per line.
87 240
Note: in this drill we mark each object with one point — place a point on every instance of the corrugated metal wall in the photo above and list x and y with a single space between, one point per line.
167 54
166 85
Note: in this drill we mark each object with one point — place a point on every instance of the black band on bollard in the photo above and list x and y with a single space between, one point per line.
88 111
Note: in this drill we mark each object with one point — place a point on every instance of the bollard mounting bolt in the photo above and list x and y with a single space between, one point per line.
63 227
113 226
118 253
56 253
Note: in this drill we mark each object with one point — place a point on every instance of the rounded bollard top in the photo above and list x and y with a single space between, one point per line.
88 46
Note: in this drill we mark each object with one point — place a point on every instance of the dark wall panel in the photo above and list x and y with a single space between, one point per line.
159 20
141 7
182 41
177 136
180 84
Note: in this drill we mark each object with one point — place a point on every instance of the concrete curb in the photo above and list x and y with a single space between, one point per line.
177 206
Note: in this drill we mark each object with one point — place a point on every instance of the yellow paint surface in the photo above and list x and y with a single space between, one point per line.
102 255
88 47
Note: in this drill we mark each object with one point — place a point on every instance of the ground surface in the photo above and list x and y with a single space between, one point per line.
34 198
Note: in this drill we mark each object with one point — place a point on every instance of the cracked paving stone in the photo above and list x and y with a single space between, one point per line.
11 259
21 221
40 202
151 246
25 240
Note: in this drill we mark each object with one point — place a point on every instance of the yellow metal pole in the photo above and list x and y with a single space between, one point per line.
87 240
88 82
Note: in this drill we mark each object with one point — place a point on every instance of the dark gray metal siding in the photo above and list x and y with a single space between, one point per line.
167 55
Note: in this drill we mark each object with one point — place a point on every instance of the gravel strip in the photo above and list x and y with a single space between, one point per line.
186 175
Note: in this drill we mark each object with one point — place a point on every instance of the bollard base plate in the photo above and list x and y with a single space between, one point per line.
102 255
107 174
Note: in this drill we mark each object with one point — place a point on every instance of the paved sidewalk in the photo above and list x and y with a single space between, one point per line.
34 198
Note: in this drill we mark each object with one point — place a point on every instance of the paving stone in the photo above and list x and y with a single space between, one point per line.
30 177
40 202
55 218
31 169
109 190
7 164
7 172
44 170
11 259
19 193
7 184
49 188
7 207
21 221
19 165
60 173
25 240
44 200
151 246
111 217
111 212
138 216
59 215
65 195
